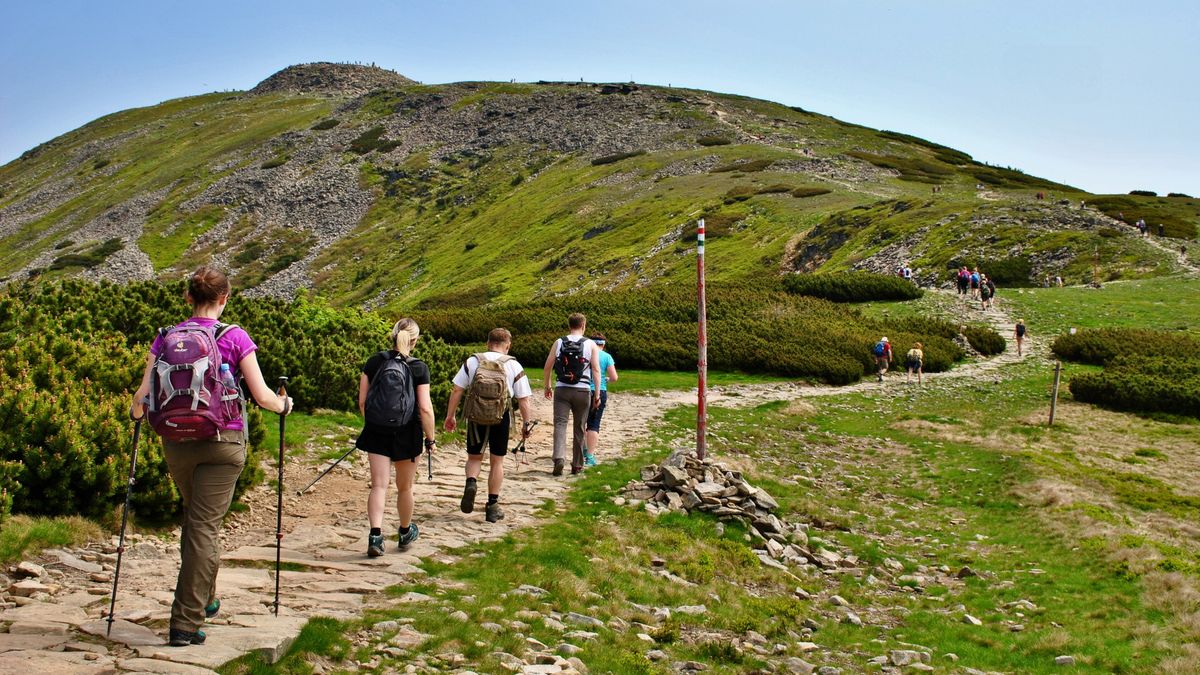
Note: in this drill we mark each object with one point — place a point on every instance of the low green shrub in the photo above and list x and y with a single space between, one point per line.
1143 384
1143 193
326 124
101 163
368 141
274 162
1100 346
754 330
75 351
777 188
740 193
617 157
709 141
802 192
1179 195
985 340
89 259
852 286
911 169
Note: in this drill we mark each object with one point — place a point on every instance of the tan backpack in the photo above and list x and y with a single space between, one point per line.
488 394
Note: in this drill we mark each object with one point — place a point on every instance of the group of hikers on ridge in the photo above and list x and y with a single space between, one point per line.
190 394
976 285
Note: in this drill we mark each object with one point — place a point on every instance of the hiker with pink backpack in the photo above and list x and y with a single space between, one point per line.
189 392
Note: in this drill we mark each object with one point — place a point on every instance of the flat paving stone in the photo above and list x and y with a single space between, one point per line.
54 663
19 642
45 612
163 667
271 638
126 633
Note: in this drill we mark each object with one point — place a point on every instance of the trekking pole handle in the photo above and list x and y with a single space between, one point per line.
283 380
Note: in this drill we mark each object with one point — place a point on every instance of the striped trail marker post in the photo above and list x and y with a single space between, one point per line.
702 363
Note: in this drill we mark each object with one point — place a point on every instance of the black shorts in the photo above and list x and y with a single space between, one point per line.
496 437
596 414
914 364
402 444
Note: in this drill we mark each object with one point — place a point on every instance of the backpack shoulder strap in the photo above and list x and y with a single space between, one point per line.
220 329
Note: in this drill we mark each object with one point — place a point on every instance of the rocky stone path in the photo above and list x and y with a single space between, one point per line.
54 609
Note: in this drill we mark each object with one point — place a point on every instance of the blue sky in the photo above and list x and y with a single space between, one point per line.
1102 95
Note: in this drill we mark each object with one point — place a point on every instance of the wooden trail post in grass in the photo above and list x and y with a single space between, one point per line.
702 363
1054 394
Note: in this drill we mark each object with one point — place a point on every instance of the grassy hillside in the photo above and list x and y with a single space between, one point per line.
469 192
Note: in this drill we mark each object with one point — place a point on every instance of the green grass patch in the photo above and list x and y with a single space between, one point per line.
22 537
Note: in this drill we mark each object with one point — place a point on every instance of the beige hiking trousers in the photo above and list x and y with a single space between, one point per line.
571 402
205 473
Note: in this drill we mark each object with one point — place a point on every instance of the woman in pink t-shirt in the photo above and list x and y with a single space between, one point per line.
206 471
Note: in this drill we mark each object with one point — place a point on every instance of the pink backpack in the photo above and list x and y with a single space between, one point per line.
188 401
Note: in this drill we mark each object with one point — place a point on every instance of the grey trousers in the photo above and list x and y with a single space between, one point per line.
571 403
206 473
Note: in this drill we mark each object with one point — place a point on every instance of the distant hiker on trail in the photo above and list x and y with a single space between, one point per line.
571 366
1019 334
1045 281
914 362
398 425
490 381
987 291
883 356
975 284
906 272
1160 230
608 373
204 442
964 280
1058 280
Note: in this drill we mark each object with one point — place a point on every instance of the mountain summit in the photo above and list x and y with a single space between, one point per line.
333 78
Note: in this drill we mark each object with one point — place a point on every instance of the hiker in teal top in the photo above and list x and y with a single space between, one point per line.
608 372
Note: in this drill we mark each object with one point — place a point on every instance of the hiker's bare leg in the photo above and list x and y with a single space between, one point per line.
495 473
405 471
381 475
593 441
474 465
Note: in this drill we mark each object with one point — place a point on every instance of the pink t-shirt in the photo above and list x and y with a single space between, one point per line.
234 345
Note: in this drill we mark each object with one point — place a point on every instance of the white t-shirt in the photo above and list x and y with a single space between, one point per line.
585 382
512 371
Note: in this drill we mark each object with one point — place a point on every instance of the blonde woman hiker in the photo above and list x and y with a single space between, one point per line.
205 453
490 381
914 361
608 370
398 425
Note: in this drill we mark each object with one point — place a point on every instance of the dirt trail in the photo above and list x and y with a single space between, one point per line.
325 539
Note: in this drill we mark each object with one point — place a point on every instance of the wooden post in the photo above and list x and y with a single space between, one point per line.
1054 394
702 363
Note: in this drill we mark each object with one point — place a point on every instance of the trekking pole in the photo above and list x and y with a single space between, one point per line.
520 449
279 506
331 467
429 462
112 604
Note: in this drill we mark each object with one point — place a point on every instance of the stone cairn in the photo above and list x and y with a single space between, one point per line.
683 483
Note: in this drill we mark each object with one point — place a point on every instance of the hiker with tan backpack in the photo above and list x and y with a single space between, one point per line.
487 383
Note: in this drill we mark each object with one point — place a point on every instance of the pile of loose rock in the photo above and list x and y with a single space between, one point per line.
684 483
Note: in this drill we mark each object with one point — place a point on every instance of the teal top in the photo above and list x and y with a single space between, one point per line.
606 360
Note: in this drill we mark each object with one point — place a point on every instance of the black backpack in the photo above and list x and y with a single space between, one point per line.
571 365
392 397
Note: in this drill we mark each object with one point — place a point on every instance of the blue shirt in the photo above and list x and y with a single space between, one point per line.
606 360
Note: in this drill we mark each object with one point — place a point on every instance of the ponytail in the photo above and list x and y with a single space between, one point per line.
404 335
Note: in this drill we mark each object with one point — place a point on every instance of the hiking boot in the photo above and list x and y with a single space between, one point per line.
576 470
183 638
468 499
406 539
589 459
558 467
211 609
493 513
374 545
